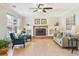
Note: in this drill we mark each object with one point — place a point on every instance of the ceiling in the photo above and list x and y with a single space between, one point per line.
58 9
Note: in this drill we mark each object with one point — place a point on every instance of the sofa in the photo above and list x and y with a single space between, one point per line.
28 37
62 38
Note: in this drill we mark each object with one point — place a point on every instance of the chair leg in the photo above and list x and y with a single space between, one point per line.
12 46
24 45
30 39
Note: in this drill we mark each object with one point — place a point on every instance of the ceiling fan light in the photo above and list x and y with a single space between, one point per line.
14 6
40 10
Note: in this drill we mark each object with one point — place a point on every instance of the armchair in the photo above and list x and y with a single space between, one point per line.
29 37
16 41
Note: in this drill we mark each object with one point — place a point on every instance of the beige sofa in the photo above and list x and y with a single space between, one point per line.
62 39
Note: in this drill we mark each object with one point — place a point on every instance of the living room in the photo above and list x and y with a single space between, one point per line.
46 27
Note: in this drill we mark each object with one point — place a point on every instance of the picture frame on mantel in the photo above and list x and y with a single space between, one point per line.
43 21
37 21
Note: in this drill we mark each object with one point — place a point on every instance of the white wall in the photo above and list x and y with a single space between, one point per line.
30 19
72 11
3 19
50 22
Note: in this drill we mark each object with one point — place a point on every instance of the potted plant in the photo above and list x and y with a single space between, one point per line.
3 46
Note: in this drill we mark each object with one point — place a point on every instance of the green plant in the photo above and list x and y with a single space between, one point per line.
3 43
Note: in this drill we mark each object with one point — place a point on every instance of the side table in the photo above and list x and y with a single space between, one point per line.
72 40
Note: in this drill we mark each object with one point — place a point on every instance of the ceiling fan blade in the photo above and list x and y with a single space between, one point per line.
48 8
40 5
35 10
44 11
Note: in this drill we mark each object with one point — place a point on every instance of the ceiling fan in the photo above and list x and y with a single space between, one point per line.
42 8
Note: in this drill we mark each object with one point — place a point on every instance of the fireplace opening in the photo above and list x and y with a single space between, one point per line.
40 32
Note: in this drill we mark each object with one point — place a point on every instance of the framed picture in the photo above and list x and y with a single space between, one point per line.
43 21
37 21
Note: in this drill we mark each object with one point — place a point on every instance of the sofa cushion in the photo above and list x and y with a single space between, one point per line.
59 35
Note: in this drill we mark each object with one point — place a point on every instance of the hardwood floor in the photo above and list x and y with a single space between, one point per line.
41 47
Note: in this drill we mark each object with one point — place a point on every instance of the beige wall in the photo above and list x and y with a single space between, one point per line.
21 23
3 20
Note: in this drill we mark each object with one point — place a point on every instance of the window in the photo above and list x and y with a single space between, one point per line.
9 20
12 22
70 21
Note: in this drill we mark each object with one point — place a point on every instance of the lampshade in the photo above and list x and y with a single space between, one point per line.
19 31
73 29
77 28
